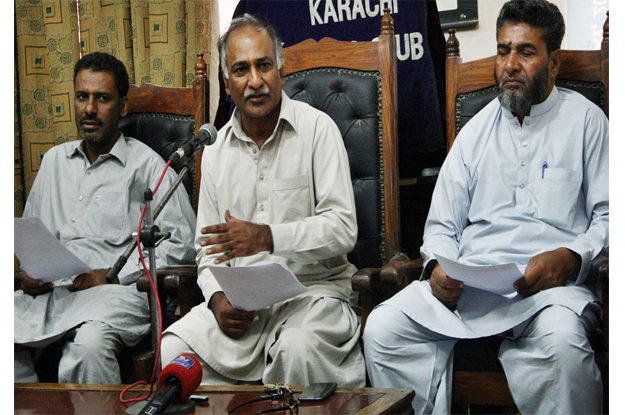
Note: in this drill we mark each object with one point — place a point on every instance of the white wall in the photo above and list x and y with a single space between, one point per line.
583 18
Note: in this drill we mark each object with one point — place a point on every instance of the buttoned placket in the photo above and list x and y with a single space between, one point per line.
261 159
522 138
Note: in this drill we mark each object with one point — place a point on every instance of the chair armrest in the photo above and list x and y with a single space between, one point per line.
143 284
401 271
180 283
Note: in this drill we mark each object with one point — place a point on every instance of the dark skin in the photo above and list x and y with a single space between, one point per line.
83 281
547 270
234 238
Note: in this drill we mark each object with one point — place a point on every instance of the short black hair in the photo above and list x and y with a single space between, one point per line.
104 62
536 13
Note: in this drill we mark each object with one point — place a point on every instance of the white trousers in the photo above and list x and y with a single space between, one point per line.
316 342
89 355
548 361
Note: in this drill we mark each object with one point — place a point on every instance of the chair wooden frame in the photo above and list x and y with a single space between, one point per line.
365 56
178 102
191 102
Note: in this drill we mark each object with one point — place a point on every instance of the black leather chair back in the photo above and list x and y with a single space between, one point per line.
468 105
353 100
163 133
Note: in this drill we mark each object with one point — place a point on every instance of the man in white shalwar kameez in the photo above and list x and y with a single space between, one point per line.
279 176
526 182
89 194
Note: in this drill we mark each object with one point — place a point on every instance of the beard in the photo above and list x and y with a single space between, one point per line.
522 99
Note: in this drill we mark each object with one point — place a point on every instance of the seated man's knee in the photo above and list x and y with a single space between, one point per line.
173 346
563 334
95 338
382 323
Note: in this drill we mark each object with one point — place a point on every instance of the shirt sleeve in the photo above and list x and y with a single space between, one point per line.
332 229
590 245
449 209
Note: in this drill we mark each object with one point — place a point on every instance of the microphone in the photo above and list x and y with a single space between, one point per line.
178 380
204 137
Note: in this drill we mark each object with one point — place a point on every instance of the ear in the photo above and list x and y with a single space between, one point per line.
282 75
124 106
555 59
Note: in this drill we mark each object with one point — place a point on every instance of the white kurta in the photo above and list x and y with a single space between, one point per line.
299 184
93 209
507 193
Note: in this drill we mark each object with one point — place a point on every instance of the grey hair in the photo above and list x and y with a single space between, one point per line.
254 21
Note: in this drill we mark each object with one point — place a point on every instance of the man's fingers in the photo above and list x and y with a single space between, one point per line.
219 228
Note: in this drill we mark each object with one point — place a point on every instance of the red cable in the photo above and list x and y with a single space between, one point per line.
158 305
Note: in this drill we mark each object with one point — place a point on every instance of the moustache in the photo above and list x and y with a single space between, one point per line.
91 120
249 93
507 77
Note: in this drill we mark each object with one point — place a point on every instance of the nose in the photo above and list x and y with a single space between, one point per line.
255 80
91 106
512 62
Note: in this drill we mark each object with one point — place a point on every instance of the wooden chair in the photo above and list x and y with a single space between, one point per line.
356 84
165 118
478 377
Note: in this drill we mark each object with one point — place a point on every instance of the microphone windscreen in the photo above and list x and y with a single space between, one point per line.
187 370
212 134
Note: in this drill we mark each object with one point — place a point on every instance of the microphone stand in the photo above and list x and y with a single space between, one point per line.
150 238
121 261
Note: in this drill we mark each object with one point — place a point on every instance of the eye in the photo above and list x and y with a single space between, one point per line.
80 96
238 71
104 98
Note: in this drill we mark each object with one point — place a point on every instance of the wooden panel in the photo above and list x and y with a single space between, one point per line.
481 388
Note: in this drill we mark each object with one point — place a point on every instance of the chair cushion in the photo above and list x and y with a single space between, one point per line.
353 100
164 134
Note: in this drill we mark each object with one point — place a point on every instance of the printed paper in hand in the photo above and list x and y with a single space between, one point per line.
494 278
41 255
254 287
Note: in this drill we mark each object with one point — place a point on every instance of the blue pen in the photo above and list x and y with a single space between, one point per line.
544 167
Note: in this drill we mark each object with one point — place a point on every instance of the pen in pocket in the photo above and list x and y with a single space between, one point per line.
544 167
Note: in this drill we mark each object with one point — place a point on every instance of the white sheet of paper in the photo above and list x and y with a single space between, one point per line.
494 278
254 287
41 255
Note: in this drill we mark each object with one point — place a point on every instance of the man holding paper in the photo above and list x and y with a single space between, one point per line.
275 187
89 194
526 183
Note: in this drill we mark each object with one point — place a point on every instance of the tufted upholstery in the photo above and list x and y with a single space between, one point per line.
164 133
352 99
469 104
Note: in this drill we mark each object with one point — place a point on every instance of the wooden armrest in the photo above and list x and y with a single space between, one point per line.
401 271
163 275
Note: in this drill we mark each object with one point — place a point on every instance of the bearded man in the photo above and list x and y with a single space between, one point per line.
526 182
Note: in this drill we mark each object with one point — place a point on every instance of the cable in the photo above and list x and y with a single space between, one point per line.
158 305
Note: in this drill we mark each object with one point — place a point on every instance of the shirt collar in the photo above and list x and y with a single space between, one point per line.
539 109
287 113
119 151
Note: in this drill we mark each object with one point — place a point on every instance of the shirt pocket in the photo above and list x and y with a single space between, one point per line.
556 193
106 217
291 199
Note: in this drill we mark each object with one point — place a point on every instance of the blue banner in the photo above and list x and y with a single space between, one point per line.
420 43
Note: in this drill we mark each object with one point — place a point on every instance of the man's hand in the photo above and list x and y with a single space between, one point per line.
34 287
237 238
547 270
233 322
89 279
447 290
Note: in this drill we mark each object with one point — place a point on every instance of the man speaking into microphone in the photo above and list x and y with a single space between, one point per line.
89 194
